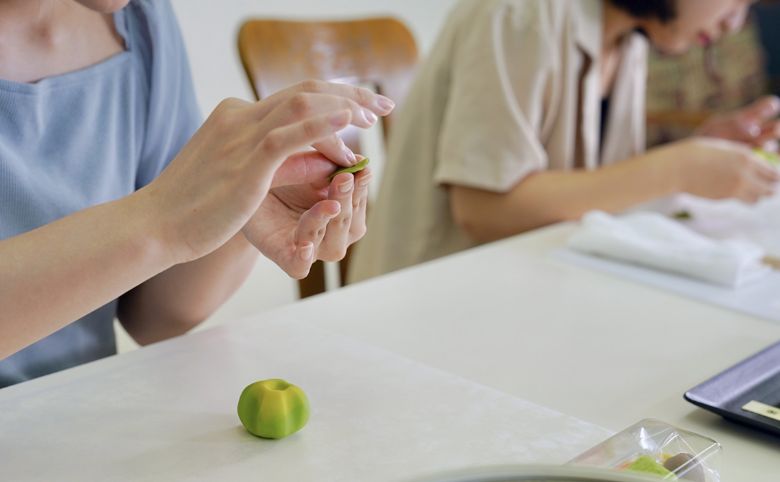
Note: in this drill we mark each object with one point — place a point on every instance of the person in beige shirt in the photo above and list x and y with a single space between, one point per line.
502 131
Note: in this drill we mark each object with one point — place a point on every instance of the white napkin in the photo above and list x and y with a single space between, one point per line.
655 241
730 219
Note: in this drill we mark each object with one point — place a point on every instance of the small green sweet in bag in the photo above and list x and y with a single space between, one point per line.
351 170
648 465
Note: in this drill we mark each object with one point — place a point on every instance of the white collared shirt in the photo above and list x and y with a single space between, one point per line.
499 98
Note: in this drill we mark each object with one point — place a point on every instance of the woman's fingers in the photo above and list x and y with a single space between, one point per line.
334 149
357 228
765 172
761 110
316 98
306 167
283 142
752 118
378 104
759 181
311 230
304 105
327 229
770 133
337 240
750 125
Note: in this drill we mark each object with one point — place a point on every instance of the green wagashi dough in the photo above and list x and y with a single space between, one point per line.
351 170
770 157
648 465
273 409
683 215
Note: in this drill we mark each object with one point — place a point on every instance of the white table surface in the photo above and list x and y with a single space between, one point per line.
498 333
169 413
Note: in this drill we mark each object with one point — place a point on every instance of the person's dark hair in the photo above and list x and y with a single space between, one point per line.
663 10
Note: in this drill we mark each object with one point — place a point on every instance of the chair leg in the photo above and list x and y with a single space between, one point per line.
314 284
344 267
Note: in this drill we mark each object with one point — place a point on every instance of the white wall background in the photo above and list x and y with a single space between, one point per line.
210 28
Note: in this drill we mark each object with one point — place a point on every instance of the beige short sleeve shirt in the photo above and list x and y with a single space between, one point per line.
512 87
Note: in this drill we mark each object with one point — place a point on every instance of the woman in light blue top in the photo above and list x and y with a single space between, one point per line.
108 209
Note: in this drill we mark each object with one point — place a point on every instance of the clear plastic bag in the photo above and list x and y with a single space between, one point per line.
654 447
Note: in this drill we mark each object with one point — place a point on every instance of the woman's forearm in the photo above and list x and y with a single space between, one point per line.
180 298
60 272
555 196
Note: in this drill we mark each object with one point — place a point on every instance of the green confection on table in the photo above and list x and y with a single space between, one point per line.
648 465
273 409
351 170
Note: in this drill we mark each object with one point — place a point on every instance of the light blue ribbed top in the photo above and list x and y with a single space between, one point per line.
87 137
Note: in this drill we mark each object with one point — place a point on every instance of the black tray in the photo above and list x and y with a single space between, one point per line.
756 379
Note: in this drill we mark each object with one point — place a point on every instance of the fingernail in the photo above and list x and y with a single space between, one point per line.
346 187
371 118
754 130
365 181
775 104
306 252
770 107
385 104
349 155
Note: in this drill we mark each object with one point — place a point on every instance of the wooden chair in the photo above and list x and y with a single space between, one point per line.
378 52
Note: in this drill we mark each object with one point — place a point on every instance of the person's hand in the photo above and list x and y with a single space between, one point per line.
756 124
315 97
718 169
221 177
306 217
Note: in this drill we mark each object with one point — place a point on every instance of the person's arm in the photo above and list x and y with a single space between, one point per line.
60 272
182 297
550 197
301 204
709 168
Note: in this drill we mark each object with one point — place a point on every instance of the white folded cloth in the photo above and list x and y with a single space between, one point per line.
730 219
655 241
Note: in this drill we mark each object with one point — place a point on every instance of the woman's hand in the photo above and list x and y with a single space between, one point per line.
222 176
756 125
306 217
718 169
